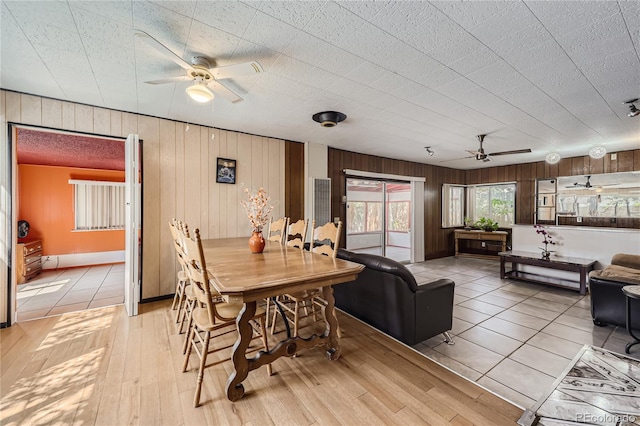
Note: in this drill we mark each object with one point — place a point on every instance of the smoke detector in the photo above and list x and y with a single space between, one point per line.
329 118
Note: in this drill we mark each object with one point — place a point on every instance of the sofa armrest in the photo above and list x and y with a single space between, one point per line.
626 260
434 308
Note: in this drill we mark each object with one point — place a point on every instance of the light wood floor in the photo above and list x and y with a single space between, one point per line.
101 367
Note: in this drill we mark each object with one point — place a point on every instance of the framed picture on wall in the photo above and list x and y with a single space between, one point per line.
225 170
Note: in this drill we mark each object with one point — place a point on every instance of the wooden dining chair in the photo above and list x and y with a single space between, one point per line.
209 316
297 233
324 241
179 298
277 229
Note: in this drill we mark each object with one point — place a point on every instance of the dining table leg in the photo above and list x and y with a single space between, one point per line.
235 389
331 332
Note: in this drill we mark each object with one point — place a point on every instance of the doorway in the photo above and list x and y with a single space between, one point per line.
71 189
379 218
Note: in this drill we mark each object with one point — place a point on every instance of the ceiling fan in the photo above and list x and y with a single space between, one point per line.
588 184
206 79
480 155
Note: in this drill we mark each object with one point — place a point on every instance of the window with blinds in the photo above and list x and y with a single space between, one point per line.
98 205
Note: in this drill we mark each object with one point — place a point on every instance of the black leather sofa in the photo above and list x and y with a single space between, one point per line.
608 303
387 296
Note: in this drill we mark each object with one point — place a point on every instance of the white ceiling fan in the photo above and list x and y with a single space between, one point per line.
206 79
480 155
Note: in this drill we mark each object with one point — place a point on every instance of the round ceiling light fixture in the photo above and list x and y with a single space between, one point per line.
199 91
633 111
329 118
553 157
597 151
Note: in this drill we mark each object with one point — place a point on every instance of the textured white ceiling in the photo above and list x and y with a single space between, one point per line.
545 75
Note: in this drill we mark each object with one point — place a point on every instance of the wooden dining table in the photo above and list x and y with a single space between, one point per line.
244 277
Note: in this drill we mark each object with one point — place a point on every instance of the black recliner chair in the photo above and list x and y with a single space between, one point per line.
386 296
608 303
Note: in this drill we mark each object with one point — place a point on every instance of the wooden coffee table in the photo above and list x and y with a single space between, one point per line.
564 263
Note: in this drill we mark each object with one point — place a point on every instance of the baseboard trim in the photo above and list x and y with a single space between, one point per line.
157 298
56 261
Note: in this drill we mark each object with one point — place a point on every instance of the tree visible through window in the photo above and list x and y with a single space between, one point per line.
399 216
364 217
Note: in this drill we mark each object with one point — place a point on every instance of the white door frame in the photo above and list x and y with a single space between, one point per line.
132 229
417 207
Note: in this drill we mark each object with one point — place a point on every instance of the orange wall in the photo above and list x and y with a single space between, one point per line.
45 200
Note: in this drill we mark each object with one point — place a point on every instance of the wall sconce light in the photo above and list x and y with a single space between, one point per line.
429 151
597 151
553 157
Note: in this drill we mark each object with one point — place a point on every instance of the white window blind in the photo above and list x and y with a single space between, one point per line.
98 205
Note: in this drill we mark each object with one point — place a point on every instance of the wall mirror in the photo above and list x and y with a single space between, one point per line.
614 195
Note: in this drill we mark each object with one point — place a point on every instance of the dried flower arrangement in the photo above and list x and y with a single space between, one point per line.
258 208
548 239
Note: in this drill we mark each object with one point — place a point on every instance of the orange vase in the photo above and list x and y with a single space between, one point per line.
256 242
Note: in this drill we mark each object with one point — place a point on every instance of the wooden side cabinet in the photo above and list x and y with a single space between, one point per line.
498 237
28 260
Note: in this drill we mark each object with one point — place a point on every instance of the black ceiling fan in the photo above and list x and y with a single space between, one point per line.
480 155
588 184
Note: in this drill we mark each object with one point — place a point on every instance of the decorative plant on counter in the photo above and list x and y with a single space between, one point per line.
486 224
258 209
548 239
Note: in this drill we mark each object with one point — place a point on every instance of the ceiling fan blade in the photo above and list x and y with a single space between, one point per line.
220 89
170 80
162 49
474 153
236 70
516 151
456 159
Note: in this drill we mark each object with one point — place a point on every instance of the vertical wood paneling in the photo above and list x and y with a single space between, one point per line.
192 176
294 180
84 118
231 201
625 161
223 188
150 128
205 182
101 121
167 185
51 113
31 110
115 123
246 160
12 107
69 116
175 164
214 191
180 172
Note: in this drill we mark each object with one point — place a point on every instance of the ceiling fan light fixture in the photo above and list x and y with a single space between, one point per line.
199 92
597 152
553 157
633 111
329 118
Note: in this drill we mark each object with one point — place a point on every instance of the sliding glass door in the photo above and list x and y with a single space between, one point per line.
379 218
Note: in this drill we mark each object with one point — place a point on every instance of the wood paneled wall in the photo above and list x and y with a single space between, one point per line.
525 176
438 241
179 165
294 181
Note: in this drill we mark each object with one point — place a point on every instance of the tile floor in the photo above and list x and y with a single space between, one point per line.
512 337
55 292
